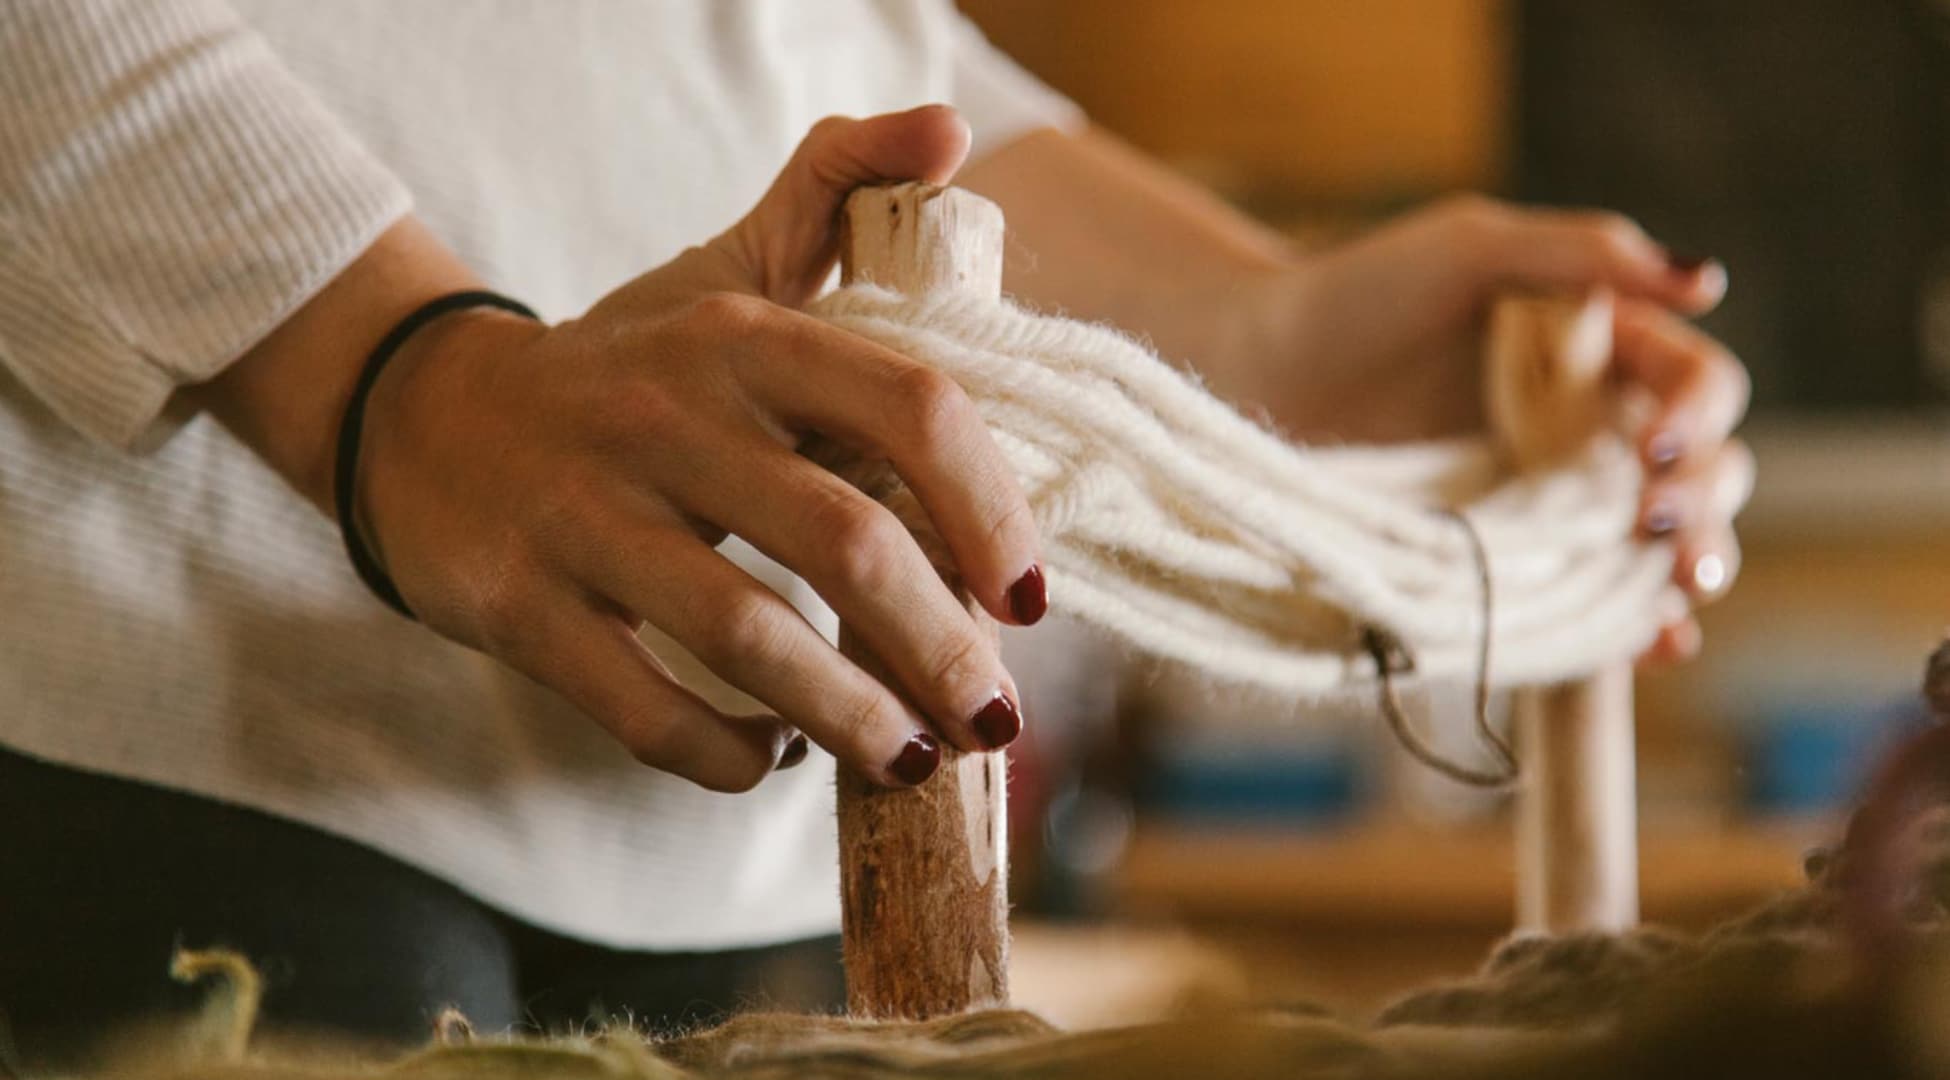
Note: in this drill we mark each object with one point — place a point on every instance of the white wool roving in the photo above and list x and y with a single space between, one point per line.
1176 524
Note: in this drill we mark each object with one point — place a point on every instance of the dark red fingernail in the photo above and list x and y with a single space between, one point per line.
1686 264
793 754
1029 597
1661 520
918 760
1664 449
998 724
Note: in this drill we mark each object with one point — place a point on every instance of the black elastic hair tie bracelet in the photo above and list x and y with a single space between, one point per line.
346 472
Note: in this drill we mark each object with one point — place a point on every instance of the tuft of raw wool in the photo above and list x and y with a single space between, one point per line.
1761 996
1177 525
221 1029
1787 991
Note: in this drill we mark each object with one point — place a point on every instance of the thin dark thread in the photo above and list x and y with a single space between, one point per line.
1391 657
1504 753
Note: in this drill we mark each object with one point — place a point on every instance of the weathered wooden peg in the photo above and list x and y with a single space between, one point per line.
1577 816
924 871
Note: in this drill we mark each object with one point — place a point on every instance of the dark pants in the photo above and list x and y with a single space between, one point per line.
101 879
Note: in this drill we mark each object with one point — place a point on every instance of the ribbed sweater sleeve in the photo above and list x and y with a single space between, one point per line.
169 193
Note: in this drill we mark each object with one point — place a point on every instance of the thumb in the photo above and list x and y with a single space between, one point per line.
788 242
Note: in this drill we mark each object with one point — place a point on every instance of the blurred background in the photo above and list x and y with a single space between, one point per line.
1214 845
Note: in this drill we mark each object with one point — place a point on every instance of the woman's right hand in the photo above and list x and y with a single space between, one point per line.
539 492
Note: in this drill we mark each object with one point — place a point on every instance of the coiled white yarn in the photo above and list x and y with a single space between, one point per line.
1176 524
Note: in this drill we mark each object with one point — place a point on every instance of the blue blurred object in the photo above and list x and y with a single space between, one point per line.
1807 757
1314 782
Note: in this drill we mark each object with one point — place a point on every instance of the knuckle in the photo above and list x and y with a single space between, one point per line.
855 719
717 314
1615 233
745 633
828 127
1716 376
1712 360
862 540
957 662
570 500
1016 517
629 409
934 406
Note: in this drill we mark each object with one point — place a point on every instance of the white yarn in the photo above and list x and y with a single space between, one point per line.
1190 532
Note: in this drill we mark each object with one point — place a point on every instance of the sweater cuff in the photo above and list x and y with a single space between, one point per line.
169 193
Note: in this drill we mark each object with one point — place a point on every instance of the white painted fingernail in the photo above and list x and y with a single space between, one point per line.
1709 575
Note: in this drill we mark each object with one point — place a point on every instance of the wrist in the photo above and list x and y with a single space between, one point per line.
428 379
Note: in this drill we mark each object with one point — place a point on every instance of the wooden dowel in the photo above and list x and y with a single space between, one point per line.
1577 819
924 871
1577 827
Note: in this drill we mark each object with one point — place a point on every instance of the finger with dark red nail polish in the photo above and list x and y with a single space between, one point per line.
1029 597
918 759
794 753
1661 520
1662 451
998 723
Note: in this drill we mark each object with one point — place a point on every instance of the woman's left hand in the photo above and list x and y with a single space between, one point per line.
1386 332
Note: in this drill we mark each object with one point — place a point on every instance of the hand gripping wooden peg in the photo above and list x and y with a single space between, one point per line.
924 871
1577 828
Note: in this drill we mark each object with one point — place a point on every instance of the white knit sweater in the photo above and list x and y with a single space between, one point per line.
178 175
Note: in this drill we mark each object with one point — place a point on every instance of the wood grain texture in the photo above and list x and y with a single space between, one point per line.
1577 814
924 871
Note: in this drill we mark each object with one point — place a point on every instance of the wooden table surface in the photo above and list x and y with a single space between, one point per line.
1396 873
